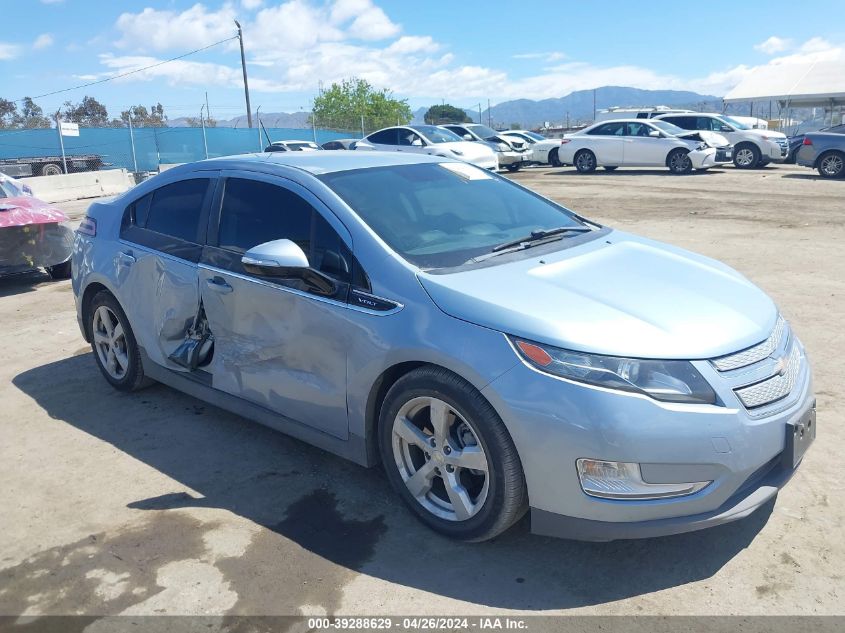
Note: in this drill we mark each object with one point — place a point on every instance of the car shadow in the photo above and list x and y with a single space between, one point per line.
807 176
19 283
571 171
348 515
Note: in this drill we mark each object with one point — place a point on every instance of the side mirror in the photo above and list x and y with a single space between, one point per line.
725 128
285 260
654 134
417 142
468 137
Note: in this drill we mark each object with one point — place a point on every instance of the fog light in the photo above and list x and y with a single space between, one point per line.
623 480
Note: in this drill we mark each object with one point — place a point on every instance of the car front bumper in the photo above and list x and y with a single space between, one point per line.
554 422
513 158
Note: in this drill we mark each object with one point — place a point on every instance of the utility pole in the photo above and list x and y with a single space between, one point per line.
207 109
489 115
594 104
480 120
243 66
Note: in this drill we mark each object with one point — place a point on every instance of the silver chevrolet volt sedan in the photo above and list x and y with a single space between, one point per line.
494 351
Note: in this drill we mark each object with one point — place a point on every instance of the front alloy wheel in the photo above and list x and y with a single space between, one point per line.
448 455
440 459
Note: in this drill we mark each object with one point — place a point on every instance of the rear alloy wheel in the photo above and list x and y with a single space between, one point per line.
554 158
746 156
831 165
679 161
448 455
114 345
585 161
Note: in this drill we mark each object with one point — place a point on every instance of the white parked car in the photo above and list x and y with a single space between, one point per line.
642 143
292 146
429 139
512 153
752 147
616 113
543 150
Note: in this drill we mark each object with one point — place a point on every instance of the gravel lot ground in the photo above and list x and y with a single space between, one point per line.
156 503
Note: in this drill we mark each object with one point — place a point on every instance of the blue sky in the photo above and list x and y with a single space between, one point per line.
464 53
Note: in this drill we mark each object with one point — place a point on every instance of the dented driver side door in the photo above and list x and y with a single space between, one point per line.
277 342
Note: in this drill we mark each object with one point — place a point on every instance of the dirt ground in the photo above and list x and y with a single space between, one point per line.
156 503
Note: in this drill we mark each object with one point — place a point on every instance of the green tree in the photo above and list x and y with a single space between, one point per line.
194 121
343 105
446 113
141 117
8 114
516 126
32 116
88 113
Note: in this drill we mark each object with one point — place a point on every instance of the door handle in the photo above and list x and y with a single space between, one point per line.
125 259
218 284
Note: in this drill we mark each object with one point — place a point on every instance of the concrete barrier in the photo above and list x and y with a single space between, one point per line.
88 184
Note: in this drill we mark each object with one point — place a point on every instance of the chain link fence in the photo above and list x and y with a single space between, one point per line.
38 152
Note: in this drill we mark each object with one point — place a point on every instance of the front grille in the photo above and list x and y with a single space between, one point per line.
756 353
774 388
784 146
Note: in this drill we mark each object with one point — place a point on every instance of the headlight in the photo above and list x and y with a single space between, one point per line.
702 146
502 147
665 380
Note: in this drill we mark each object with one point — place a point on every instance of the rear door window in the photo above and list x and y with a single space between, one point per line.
385 137
614 128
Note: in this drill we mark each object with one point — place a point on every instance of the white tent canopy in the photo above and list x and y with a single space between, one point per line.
811 85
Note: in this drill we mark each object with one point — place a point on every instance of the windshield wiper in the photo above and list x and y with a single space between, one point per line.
536 236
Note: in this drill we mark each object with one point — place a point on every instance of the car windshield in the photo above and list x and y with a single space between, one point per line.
535 136
436 134
669 128
440 215
733 122
482 130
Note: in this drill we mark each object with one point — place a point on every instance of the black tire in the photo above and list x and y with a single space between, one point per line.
50 169
746 156
678 162
762 163
585 161
506 499
133 378
831 164
554 158
610 167
513 167
60 271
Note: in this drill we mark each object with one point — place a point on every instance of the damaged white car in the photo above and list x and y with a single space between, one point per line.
643 143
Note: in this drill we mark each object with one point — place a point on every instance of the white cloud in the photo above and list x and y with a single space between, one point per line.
250 5
52 1
45 40
9 51
413 44
546 57
774 45
156 30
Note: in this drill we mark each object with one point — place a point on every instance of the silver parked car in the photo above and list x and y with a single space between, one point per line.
493 350
825 152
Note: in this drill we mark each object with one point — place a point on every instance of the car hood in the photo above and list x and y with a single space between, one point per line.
713 139
767 133
24 210
619 295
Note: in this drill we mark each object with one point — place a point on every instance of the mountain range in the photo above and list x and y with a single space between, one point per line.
576 107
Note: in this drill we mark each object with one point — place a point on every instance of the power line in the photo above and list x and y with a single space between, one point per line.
131 72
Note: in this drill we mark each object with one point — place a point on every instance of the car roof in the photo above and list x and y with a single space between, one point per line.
313 162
